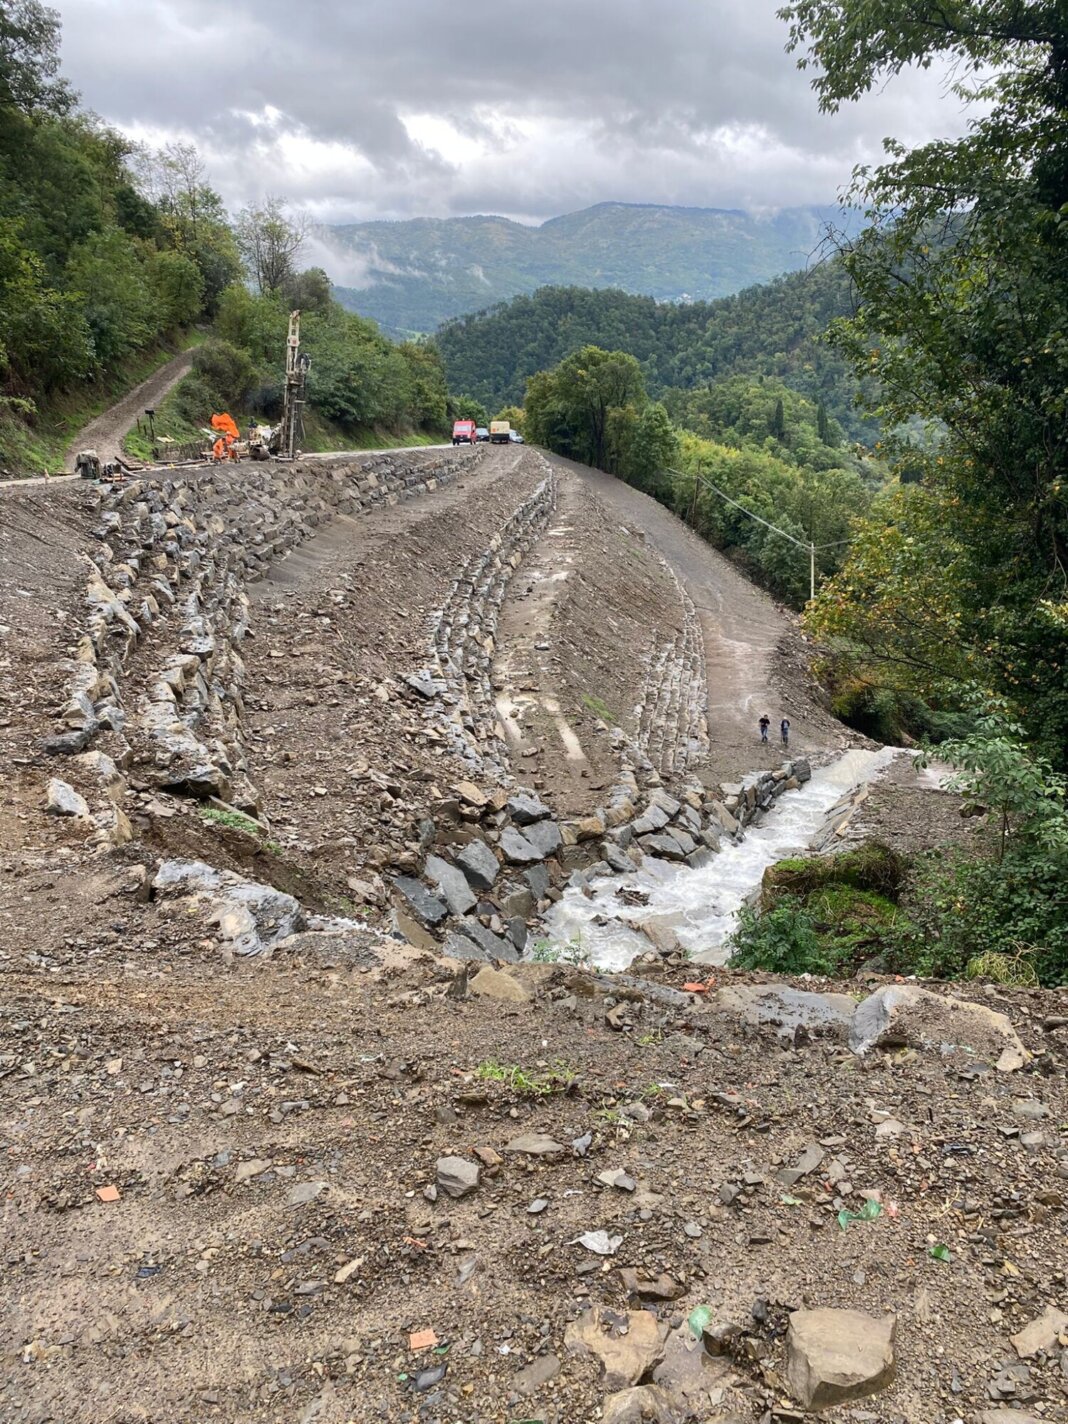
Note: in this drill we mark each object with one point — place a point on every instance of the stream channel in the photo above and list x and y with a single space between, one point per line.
702 906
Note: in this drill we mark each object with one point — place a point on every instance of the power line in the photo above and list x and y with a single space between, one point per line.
809 547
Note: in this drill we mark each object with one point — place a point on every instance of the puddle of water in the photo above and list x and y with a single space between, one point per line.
702 905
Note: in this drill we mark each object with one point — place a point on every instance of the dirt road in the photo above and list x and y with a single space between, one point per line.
105 433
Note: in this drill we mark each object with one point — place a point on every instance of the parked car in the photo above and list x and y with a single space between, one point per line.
515 438
463 432
481 433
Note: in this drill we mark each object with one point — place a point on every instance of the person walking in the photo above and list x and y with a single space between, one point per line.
784 729
765 723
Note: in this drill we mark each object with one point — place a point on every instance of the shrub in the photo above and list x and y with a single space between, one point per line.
782 941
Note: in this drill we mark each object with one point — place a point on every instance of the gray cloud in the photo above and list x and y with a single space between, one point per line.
357 110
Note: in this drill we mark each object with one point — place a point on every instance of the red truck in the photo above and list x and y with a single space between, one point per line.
463 432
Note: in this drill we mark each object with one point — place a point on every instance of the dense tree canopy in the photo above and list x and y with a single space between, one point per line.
773 330
963 279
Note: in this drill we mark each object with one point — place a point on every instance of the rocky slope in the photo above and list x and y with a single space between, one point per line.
305 1122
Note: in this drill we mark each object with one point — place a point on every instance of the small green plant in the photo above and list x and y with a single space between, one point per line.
528 1083
647 1040
544 951
782 941
235 820
598 707
997 967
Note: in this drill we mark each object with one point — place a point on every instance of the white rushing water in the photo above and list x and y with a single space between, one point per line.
701 906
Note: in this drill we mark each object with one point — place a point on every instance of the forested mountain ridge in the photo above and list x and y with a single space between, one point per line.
773 330
424 271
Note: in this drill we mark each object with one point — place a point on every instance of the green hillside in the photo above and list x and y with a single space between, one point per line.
773 330
424 271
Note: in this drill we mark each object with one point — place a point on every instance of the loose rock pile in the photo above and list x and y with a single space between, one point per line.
157 678
496 858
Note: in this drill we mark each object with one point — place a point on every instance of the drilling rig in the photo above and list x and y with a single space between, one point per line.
282 440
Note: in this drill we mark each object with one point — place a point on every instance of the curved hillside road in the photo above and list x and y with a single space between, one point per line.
749 672
105 433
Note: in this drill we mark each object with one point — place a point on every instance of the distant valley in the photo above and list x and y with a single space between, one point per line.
413 275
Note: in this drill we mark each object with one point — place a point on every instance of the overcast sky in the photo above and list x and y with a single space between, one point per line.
401 108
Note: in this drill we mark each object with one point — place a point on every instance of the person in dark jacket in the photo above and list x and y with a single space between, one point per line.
784 728
765 723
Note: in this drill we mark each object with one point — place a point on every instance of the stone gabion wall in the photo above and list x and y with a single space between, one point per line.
464 633
157 675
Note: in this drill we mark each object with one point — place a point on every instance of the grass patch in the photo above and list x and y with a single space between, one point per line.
824 914
598 707
233 820
528 1083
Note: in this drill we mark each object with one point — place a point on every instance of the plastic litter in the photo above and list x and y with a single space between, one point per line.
870 1211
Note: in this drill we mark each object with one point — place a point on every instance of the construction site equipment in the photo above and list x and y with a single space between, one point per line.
225 446
87 464
297 367
500 432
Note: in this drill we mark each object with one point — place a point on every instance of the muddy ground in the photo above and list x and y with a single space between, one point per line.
220 1175
216 1178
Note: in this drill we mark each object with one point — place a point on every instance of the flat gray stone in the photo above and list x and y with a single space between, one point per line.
665 847
479 864
651 820
452 885
788 1009
517 849
458 946
525 809
63 800
537 879
457 1177
492 945
545 837
424 905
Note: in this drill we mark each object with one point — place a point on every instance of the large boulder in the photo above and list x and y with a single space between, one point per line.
63 800
452 885
479 864
490 983
423 904
906 1016
787 1009
628 1344
252 918
517 849
833 1356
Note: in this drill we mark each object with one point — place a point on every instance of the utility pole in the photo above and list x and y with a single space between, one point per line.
811 571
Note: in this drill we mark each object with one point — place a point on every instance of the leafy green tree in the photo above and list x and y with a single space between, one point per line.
178 287
107 274
45 341
309 291
654 447
29 58
468 408
963 280
569 411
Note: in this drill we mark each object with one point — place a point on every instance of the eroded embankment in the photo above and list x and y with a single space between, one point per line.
452 684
